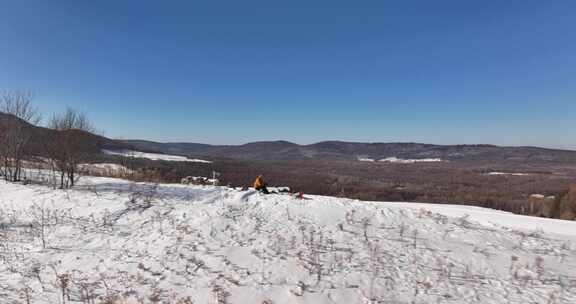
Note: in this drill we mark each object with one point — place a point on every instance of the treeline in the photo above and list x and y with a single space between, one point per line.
58 147
438 184
565 205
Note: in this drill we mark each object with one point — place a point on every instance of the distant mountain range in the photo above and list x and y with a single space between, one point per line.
338 150
328 150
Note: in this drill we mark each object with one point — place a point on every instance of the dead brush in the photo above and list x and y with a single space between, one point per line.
220 295
366 223
350 217
374 270
63 282
44 220
186 300
539 265
402 231
156 296
25 294
111 299
87 290
415 238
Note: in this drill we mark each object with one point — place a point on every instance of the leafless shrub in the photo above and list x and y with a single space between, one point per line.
234 212
539 265
63 281
186 300
87 291
302 288
68 149
44 220
374 269
220 294
402 230
415 238
194 264
156 296
365 225
143 198
278 245
26 294
350 217
513 260
15 132
111 299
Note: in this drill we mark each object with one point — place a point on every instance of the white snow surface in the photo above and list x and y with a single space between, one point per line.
154 156
363 159
102 168
410 161
146 243
508 173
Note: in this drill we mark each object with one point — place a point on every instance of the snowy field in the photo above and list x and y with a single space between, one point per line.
104 169
396 160
507 173
112 241
154 156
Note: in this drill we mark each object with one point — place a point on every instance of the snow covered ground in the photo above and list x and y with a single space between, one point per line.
104 168
154 156
364 159
397 160
110 239
508 173
410 161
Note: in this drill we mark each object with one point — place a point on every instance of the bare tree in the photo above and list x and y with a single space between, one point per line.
16 131
68 147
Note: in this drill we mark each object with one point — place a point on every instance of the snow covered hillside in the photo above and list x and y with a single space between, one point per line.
112 241
154 156
396 160
410 161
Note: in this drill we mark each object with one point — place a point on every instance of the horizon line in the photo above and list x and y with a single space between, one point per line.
355 142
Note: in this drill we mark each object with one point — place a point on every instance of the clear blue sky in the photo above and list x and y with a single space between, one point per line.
501 72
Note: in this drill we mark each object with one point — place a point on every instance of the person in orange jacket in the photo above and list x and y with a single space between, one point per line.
260 185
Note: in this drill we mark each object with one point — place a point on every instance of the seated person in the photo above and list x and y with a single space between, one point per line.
260 185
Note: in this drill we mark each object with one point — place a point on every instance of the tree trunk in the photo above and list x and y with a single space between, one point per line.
71 176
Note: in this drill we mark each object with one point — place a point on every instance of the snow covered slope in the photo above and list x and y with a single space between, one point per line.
410 161
142 243
154 156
